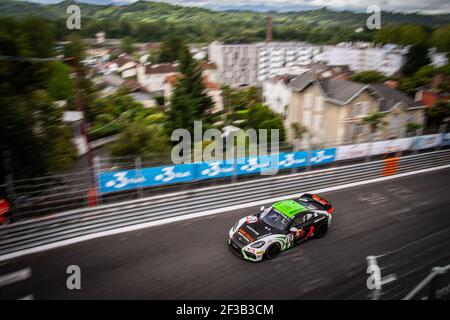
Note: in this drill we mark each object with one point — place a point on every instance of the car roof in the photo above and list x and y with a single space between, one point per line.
289 208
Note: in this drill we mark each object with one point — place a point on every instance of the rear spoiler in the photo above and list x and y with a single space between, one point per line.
318 200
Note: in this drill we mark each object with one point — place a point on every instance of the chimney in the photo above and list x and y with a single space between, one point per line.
269 29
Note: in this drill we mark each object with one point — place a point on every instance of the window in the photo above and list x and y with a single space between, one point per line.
319 104
357 129
298 221
394 124
274 219
317 123
359 109
307 101
307 118
410 118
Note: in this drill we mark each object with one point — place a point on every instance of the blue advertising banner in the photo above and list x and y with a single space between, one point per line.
131 179
154 176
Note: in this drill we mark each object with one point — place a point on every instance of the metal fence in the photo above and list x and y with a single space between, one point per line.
52 194
436 286
81 222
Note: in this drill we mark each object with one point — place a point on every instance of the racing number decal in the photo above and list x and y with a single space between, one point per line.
289 240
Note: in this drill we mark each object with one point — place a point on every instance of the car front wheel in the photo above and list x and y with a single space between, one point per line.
272 251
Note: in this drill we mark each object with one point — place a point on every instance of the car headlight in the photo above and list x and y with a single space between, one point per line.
257 244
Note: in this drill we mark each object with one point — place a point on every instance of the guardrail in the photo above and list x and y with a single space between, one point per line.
436 286
80 222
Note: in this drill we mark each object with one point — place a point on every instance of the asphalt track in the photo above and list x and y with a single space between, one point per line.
404 221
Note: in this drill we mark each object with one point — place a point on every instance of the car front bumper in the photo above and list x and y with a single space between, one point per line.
246 253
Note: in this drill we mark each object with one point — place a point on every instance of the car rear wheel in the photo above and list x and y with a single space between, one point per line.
321 231
272 251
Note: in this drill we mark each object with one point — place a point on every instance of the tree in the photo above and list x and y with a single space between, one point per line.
59 83
368 77
416 58
438 114
139 139
413 34
32 129
236 100
127 45
273 124
75 48
261 117
374 120
413 127
54 137
298 130
440 39
171 49
153 56
189 100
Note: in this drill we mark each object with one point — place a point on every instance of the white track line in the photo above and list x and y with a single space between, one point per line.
17 276
203 213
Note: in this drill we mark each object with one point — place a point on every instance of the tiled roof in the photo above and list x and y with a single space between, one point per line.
343 90
301 82
172 79
389 97
207 65
161 68
173 67
340 90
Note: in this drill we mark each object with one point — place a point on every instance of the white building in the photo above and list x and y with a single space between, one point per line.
237 64
250 64
438 59
364 57
152 76
279 58
277 94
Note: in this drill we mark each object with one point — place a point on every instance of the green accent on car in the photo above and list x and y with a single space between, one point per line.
289 208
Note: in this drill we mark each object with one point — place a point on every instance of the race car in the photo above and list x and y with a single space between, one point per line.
280 227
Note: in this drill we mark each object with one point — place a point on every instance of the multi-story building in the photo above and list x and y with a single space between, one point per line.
276 57
363 57
237 64
250 64
438 59
333 110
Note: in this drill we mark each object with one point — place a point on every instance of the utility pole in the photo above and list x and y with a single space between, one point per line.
83 127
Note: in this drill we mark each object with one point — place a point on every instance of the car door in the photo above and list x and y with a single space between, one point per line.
304 224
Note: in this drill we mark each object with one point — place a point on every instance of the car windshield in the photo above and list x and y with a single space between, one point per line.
274 219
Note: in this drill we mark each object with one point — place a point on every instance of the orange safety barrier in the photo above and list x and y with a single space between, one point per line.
4 209
390 166
92 197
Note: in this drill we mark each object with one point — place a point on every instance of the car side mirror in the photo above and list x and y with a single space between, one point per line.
262 208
